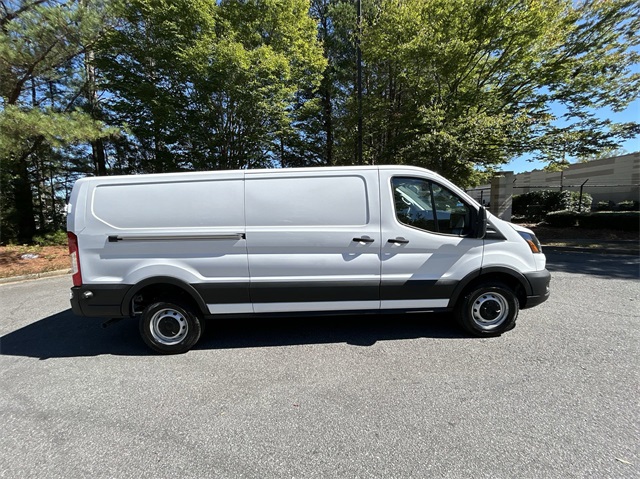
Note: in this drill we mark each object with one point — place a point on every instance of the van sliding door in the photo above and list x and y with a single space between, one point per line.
313 240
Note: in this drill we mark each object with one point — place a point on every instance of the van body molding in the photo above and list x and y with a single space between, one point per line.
174 237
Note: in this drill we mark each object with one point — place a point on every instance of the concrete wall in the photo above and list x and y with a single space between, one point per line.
604 177
502 195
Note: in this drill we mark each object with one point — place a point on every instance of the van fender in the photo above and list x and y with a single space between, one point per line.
156 280
491 270
170 269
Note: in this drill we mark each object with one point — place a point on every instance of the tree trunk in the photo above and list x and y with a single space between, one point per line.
327 123
99 160
97 146
23 200
325 86
54 213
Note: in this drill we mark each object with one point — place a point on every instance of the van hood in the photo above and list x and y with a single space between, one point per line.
501 224
519 228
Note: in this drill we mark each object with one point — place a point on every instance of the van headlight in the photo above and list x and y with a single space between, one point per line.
532 241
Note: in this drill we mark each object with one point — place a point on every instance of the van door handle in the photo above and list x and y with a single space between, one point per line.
364 239
398 240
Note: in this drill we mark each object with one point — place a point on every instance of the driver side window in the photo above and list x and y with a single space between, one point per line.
429 206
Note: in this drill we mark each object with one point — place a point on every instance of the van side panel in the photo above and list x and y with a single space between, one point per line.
162 206
183 226
313 239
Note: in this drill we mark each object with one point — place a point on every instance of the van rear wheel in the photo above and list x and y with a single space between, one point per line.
169 328
489 309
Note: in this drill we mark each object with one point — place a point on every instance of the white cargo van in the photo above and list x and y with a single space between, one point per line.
174 249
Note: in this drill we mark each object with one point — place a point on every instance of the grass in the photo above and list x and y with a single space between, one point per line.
49 258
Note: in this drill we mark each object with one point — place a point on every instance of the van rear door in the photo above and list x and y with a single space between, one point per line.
313 240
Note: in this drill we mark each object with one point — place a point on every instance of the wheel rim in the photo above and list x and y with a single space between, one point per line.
489 310
169 326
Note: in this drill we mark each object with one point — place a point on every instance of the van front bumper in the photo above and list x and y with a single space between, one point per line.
98 300
540 291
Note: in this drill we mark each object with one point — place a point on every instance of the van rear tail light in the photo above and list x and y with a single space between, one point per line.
75 259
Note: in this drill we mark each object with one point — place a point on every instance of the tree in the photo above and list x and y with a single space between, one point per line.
141 64
457 85
275 115
335 99
40 87
208 85
340 87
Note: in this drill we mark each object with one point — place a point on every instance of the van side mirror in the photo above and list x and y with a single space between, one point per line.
481 223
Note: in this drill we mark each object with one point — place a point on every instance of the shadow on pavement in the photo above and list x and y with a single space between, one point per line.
357 330
605 265
65 335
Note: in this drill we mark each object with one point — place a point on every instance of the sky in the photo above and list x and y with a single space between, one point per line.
632 113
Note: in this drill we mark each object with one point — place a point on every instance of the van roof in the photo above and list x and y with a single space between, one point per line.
232 173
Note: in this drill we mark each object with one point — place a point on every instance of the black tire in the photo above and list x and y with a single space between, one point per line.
488 309
170 328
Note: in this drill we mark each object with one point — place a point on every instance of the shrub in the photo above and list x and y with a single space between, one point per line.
605 206
56 238
576 205
562 219
615 220
535 205
628 205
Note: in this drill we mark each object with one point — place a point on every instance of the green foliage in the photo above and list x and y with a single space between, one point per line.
622 220
141 63
206 85
39 45
562 219
602 154
628 205
41 108
20 127
605 206
56 238
574 204
619 220
453 85
535 205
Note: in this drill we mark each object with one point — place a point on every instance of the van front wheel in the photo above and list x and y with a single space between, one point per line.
488 310
169 328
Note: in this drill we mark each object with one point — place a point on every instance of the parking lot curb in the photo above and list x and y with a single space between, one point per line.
27 277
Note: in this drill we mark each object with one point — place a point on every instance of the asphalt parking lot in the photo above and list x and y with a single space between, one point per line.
356 396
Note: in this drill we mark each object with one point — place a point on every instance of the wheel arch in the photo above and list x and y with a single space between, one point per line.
159 285
510 277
